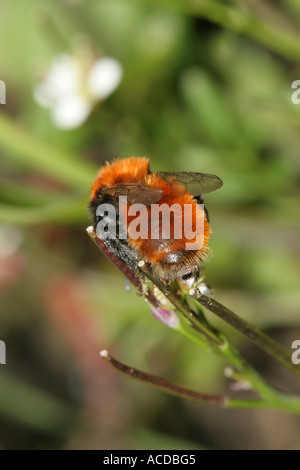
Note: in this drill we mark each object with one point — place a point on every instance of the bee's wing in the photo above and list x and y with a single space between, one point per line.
195 183
136 193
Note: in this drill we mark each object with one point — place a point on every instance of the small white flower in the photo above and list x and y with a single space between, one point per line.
71 89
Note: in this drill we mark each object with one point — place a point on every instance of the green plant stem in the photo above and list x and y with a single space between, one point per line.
270 396
270 346
286 407
187 330
258 337
188 314
228 352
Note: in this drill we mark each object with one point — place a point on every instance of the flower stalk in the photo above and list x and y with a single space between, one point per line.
258 337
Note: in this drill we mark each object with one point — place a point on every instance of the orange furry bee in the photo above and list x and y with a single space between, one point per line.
167 255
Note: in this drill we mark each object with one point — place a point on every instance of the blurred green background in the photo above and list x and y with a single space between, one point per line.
206 87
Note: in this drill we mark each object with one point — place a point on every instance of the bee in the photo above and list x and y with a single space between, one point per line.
167 256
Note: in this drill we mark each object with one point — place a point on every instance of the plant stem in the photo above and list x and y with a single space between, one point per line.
271 397
257 336
161 383
205 336
286 403
188 314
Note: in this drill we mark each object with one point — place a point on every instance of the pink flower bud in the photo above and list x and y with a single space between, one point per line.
169 318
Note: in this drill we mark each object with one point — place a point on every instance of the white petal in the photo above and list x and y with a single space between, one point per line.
104 77
71 112
205 290
62 79
64 74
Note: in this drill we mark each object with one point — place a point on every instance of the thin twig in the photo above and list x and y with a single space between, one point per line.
161 383
183 392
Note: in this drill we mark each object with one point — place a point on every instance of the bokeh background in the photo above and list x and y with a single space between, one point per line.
206 86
